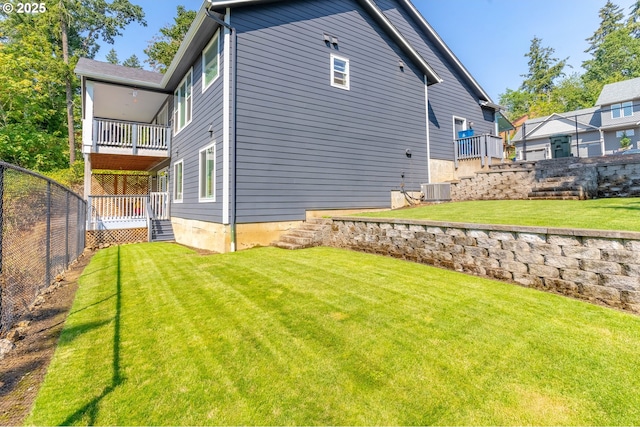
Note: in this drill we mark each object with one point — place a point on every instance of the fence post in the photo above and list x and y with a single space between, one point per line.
66 234
48 255
1 233
1 221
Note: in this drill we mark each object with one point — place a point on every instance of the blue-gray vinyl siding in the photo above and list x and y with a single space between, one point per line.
186 145
303 144
452 97
588 145
619 122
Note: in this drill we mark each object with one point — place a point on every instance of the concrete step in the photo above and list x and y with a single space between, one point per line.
559 195
302 241
285 245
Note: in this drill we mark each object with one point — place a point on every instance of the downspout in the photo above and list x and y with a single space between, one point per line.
232 119
426 106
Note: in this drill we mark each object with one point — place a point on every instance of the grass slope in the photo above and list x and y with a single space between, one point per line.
603 214
159 335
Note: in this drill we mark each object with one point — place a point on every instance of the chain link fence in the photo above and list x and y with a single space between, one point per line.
42 231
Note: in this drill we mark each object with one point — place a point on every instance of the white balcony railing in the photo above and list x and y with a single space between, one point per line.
159 204
478 147
115 133
116 212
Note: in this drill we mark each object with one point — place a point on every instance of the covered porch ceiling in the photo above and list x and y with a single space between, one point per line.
126 103
127 163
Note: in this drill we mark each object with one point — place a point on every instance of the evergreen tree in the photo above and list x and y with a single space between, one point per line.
633 22
611 19
112 57
543 69
132 62
164 47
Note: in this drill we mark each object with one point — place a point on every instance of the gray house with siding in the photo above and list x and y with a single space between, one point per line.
594 131
276 111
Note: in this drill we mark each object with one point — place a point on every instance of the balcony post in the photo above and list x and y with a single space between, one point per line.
134 138
456 143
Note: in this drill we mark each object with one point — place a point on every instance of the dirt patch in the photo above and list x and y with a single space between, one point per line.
22 370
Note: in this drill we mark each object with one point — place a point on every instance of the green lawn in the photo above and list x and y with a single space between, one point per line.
159 335
602 214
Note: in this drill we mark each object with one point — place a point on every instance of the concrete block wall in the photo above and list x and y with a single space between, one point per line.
606 176
597 266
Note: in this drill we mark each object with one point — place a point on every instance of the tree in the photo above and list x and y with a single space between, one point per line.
517 102
32 100
132 62
543 69
164 47
633 22
611 19
617 58
534 95
112 57
72 29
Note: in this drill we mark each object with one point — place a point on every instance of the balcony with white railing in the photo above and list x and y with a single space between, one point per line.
121 137
484 147
122 212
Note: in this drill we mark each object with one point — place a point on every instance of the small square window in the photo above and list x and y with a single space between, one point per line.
339 72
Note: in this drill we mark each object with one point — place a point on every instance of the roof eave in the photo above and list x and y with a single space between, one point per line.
429 29
188 38
378 15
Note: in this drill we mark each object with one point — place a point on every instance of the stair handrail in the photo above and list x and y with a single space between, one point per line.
149 214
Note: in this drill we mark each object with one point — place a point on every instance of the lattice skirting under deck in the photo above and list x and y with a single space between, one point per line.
96 238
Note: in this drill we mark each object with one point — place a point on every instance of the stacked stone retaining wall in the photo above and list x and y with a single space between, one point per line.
598 266
606 176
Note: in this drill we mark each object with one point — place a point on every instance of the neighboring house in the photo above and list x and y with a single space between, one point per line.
276 111
595 131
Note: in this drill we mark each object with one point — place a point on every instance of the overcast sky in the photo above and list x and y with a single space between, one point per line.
490 37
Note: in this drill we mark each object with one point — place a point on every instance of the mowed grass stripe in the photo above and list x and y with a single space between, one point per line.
325 336
600 214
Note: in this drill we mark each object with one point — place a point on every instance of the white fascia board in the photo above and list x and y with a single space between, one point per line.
375 11
409 6
188 38
122 80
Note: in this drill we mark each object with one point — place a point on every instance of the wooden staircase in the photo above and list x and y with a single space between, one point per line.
162 230
307 235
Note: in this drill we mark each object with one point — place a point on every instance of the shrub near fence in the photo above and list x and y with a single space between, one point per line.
42 231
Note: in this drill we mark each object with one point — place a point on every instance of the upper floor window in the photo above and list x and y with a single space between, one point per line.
182 103
210 60
622 110
339 72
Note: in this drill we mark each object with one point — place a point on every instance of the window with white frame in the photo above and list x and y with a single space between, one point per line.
210 60
178 181
340 72
628 132
182 103
207 181
624 109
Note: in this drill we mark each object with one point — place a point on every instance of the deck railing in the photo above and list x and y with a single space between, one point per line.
478 147
111 212
120 209
159 204
115 133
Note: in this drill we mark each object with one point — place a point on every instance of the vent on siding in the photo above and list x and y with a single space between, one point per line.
436 192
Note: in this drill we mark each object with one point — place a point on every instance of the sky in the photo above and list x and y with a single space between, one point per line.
490 37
